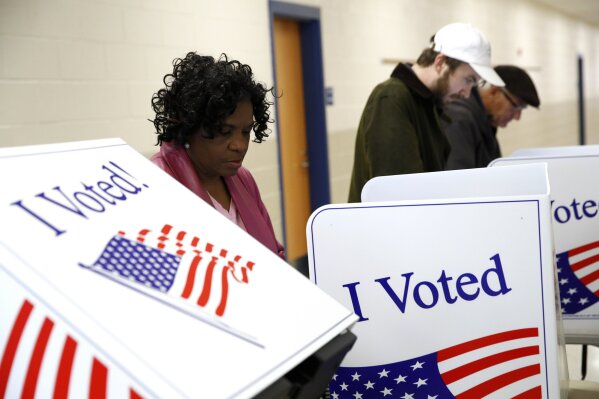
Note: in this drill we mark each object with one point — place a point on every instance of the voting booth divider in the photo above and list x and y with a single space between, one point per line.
574 211
571 150
452 277
116 281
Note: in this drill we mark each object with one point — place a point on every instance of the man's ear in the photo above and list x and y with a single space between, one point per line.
439 62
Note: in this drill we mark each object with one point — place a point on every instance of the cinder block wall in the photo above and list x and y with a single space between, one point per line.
85 69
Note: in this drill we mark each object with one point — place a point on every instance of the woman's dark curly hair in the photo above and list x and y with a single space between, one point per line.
202 92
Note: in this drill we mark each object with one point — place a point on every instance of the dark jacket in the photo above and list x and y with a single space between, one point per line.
472 137
399 132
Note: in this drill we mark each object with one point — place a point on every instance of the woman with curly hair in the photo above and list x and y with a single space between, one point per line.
204 117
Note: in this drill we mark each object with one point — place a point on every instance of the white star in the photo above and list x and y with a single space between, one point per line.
355 376
343 387
563 281
432 397
572 291
407 396
369 385
357 395
383 373
420 382
583 301
400 378
559 270
563 310
335 395
386 391
335 377
417 365
566 301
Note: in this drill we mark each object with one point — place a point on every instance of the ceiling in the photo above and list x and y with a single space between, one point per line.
585 10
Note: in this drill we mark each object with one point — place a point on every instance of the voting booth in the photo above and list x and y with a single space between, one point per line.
576 150
116 281
452 277
574 211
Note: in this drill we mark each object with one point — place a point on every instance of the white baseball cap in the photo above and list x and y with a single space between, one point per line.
465 43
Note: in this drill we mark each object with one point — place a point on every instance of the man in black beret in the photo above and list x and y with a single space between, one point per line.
472 124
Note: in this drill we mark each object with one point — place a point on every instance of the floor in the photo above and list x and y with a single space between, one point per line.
574 353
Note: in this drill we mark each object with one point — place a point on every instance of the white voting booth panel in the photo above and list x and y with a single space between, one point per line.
471 183
455 295
575 198
116 279
576 150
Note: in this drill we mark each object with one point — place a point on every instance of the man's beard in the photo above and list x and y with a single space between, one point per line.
442 88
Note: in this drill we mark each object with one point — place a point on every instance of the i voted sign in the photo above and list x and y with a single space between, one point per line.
113 259
455 297
574 211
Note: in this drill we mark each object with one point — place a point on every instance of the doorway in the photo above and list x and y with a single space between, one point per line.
300 119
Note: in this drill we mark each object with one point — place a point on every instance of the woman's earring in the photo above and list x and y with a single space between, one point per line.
186 145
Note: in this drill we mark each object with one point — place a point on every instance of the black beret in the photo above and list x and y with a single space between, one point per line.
519 84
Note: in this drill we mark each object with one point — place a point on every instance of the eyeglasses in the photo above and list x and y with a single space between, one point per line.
515 105
473 82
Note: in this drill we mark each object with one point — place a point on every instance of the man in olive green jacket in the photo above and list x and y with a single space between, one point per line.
399 131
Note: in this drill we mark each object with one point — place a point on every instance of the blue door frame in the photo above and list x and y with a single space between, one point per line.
314 96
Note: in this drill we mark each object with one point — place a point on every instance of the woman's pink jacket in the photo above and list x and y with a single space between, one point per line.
244 192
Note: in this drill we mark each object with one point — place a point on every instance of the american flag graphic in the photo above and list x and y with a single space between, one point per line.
175 263
502 365
42 358
578 277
